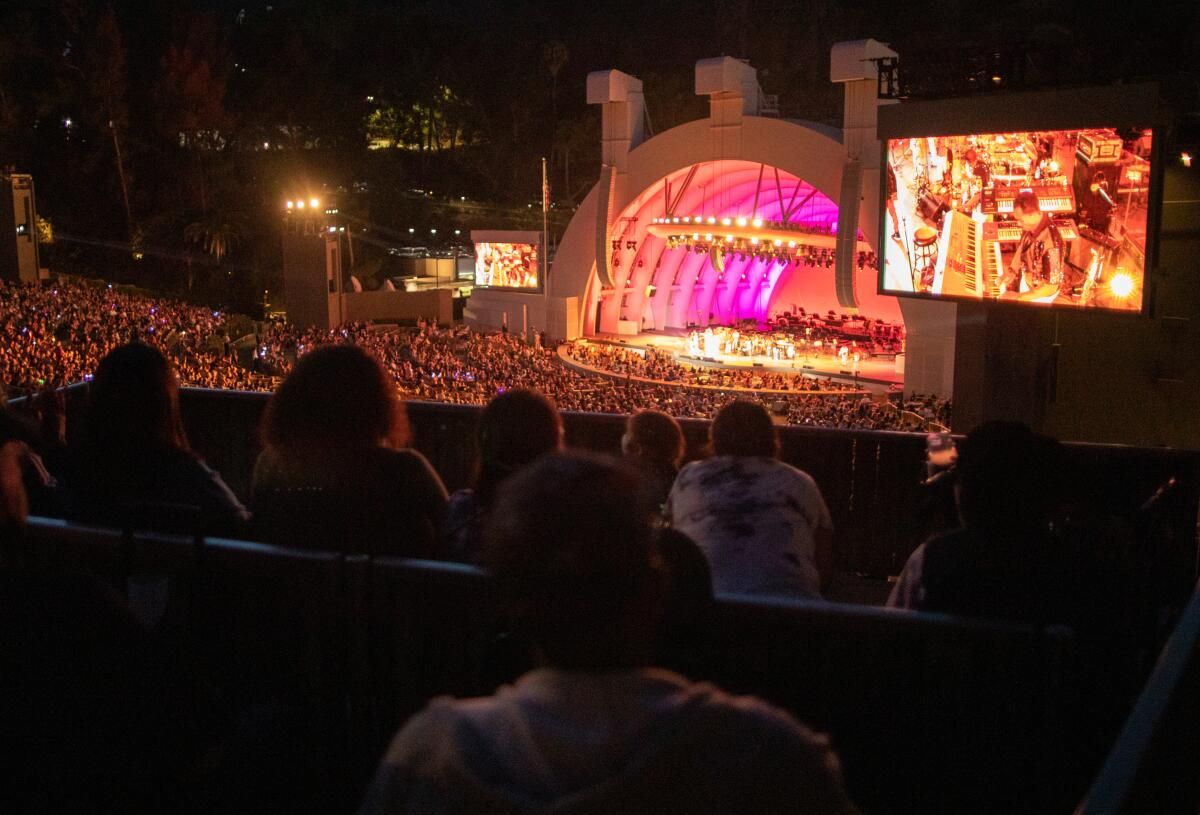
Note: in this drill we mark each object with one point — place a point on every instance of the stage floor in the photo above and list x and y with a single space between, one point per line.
874 373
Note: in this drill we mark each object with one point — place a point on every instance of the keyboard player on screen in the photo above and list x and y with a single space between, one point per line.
1039 266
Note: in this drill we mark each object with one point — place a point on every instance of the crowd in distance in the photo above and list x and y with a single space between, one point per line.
55 334
584 551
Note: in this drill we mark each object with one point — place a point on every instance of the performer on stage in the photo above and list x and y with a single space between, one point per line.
1041 256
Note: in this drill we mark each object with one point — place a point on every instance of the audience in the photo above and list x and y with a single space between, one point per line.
570 545
516 428
23 443
335 472
653 443
1003 562
574 544
655 364
55 335
763 524
133 465
14 501
93 716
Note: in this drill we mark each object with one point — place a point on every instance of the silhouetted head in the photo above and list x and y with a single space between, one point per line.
1009 478
571 547
744 428
133 403
338 398
516 428
655 438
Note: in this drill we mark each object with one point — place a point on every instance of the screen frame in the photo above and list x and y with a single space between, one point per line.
1127 105
1153 207
512 237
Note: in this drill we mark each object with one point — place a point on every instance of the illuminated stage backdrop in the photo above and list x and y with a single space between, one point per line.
733 239
1042 218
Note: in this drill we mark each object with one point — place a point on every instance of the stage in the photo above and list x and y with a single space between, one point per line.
875 374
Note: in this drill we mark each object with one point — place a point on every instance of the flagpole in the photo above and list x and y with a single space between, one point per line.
545 231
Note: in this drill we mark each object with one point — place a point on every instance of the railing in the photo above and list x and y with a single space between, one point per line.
871 479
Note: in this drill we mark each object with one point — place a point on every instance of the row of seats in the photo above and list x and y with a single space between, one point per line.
929 713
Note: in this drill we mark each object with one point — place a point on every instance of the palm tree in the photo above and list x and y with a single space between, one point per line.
216 234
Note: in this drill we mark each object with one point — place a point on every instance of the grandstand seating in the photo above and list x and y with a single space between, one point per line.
871 479
929 713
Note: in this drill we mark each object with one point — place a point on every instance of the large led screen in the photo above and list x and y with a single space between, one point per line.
507 265
1045 218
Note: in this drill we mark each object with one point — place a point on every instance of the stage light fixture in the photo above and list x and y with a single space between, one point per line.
1121 285
1186 158
300 204
314 203
291 204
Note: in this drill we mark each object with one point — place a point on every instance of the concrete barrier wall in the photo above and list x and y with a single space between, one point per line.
398 305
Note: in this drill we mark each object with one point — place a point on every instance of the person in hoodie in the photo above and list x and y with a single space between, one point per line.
596 729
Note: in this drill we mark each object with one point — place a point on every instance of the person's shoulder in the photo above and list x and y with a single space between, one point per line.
790 473
952 541
405 457
793 762
693 470
183 464
434 737
752 717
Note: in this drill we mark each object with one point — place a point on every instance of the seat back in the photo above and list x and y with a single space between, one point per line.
341 520
929 713
50 543
270 619
431 628
269 626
